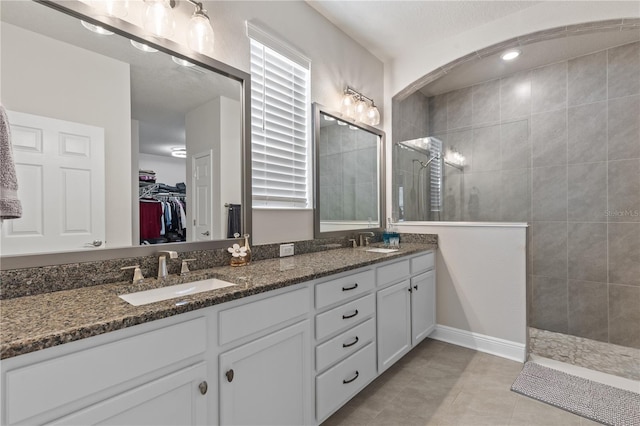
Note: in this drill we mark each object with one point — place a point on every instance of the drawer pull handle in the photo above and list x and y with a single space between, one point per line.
351 380
203 387
347 345
229 375
353 287
350 316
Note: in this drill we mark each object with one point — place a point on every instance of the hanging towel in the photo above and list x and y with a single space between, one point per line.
233 226
10 207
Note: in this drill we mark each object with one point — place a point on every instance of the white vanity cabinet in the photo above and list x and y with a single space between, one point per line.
345 338
267 380
125 377
405 306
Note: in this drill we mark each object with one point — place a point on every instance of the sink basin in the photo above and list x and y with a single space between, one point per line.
171 292
382 250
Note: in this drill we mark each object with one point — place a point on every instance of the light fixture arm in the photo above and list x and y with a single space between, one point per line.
200 10
351 91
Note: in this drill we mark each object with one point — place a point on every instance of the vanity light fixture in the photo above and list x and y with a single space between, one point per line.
510 55
199 31
328 117
143 47
116 8
359 107
96 28
179 152
158 18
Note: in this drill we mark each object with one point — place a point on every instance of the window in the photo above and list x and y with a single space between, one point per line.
279 125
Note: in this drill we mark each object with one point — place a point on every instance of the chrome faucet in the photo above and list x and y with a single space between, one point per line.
162 262
364 238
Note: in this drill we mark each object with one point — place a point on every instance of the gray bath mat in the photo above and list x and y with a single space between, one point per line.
586 398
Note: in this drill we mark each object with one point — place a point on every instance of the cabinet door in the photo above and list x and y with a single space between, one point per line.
423 306
175 399
268 381
394 324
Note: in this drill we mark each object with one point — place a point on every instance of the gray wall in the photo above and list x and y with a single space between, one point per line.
558 147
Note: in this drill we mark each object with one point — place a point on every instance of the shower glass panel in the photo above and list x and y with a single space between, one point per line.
480 173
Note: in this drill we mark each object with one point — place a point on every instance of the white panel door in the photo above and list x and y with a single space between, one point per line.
60 171
394 324
423 306
268 381
175 399
202 191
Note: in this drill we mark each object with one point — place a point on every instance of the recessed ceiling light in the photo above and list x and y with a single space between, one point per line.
182 62
95 28
143 47
510 55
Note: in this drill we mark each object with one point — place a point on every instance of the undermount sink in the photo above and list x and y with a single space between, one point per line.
382 250
173 291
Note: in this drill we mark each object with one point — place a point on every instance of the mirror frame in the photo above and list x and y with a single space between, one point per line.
317 233
82 11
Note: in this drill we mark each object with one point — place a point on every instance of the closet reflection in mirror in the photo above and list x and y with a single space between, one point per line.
94 122
348 162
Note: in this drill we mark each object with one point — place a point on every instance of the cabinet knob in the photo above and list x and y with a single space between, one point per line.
415 287
229 375
203 386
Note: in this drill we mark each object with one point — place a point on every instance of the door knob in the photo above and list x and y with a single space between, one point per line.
229 375
206 233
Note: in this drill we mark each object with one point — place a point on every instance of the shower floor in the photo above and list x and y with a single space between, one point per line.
604 357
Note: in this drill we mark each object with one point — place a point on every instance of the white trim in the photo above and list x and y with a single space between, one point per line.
259 34
481 342
466 224
586 373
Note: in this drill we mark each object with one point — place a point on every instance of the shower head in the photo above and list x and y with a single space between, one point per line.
426 164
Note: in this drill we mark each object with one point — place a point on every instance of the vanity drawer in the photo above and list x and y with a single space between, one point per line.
338 384
345 344
344 316
244 320
44 386
394 272
333 291
422 263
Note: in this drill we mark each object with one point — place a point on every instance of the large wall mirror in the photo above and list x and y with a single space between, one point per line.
120 141
349 159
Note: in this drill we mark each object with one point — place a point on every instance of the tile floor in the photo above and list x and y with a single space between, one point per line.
442 384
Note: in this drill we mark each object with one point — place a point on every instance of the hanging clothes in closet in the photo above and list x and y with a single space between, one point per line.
163 219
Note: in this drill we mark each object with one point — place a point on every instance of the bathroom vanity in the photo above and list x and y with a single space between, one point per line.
290 343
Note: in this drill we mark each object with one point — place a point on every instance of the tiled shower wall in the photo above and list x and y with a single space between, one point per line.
558 147
348 174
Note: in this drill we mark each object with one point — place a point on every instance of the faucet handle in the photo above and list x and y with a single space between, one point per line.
353 242
185 267
137 273
169 253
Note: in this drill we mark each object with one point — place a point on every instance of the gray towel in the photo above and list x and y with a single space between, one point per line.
10 207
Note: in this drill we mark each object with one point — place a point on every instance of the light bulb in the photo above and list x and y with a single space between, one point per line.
200 33
360 110
158 18
117 8
347 106
373 115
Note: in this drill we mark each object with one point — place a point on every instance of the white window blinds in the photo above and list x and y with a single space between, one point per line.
279 127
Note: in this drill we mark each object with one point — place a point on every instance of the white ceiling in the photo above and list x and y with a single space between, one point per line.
391 28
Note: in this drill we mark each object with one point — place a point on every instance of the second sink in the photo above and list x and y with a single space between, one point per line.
173 291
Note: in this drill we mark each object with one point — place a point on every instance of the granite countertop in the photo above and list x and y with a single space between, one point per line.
32 323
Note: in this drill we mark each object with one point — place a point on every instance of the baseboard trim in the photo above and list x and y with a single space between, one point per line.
481 342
